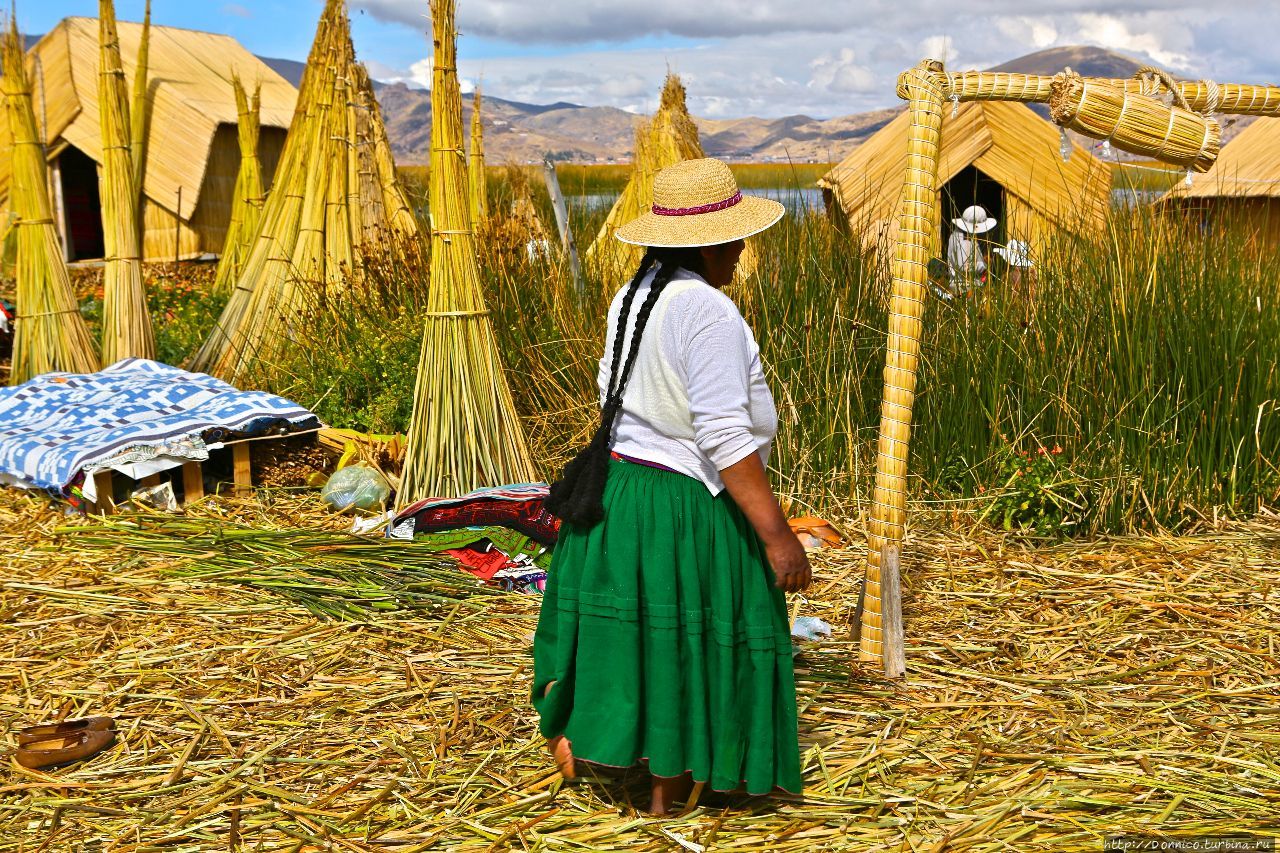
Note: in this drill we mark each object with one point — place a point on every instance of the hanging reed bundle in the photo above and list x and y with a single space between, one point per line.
1137 123
1202 96
335 198
465 431
139 116
477 181
246 201
50 334
668 138
126 325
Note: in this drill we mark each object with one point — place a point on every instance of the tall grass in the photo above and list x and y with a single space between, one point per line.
1148 362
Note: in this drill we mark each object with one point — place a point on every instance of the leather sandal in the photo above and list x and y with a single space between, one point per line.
63 749
822 532
32 734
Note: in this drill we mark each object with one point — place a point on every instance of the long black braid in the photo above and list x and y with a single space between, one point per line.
578 496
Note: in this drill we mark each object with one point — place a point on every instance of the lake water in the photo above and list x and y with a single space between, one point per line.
795 200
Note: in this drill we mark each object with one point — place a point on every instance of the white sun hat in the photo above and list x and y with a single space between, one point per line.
1017 254
975 220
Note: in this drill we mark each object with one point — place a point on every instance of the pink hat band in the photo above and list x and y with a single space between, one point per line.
702 208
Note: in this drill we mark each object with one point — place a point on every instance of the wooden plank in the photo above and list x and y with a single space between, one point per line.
895 663
149 481
103 481
192 482
242 471
562 222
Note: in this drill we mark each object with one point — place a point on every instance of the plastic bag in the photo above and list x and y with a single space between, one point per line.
810 628
356 487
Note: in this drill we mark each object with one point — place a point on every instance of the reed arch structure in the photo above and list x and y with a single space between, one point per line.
1150 114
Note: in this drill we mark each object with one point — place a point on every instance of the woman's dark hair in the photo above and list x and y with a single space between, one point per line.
578 496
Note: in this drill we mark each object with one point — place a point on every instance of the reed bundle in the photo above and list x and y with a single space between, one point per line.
465 432
139 116
1201 96
126 324
670 137
247 199
49 335
1137 123
476 178
335 199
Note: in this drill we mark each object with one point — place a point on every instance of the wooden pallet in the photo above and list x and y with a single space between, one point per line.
192 475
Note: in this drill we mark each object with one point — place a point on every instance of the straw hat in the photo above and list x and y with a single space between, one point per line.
697 203
1017 254
975 220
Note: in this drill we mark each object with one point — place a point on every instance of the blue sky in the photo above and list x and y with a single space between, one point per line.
737 57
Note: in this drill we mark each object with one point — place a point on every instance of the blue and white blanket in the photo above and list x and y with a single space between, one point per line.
57 425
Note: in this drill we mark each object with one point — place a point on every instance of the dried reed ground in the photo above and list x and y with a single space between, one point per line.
1055 696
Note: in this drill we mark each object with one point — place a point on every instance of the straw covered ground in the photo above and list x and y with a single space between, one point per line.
1055 696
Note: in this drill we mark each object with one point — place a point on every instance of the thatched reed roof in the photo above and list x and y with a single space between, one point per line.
191 95
1006 141
1247 168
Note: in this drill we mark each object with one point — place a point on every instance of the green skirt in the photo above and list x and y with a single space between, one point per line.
667 639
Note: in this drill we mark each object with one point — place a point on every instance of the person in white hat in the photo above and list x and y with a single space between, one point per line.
1021 275
965 260
663 635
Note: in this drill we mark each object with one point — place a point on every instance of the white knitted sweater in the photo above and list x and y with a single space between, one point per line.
697 400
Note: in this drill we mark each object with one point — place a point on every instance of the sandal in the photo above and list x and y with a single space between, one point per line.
63 749
32 734
816 532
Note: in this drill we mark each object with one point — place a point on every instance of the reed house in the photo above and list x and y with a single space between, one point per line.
192 151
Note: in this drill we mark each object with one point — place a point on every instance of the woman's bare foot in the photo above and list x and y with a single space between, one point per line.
562 751
667 790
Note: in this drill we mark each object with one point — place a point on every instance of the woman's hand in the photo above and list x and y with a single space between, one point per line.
748 485
790 563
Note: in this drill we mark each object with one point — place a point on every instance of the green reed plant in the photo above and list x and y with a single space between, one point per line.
1148 357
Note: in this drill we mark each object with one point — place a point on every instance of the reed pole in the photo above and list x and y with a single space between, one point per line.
923 87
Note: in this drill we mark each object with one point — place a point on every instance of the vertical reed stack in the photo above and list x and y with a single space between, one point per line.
139 117
246 201
335 197
921 86
50 334
126 325
477 180
669 137
465 431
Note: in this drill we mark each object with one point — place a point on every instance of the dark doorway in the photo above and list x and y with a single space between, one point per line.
969 187
82 205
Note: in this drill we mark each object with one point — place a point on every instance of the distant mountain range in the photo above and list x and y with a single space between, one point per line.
524 132
519 132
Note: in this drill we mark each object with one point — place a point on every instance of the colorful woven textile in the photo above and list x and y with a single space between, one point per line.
518 507
55 425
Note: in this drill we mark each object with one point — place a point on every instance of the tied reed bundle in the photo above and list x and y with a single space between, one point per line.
670 137
126 325
465 431
1135 122
335 198
50 334
246 202
479 185
139 115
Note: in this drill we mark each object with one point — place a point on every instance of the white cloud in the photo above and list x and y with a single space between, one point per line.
841 72
782 57
1158 38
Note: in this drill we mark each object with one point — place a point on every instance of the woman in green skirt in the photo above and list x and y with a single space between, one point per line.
663 635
